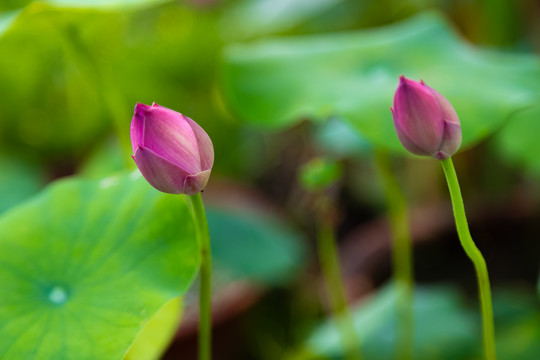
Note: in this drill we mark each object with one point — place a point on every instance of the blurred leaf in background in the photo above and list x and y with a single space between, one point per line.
319 174
444 328
517 143
19 179
338 137
11 5
6 19
71 71
104 160
255 247
50 95
517 316
252 18
107 4
354 75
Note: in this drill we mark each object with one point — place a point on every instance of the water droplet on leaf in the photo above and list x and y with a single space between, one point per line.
58 295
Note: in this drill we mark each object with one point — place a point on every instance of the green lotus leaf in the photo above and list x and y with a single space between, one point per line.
517 142
251 246
375 322
7 18
106 4
277 82
83 58
85 264
253 18
154 339
46 85
246 244
19 179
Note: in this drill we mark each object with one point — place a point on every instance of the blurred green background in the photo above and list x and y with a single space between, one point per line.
276 83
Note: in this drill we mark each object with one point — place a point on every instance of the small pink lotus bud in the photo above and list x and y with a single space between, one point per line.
174 154
425 122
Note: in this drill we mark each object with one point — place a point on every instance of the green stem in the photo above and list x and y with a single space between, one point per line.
205 295
476 257
329 259
402 257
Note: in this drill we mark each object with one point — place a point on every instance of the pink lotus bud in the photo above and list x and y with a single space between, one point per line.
174 154
425 122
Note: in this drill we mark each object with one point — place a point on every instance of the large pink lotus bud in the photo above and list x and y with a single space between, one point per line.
425 122
174 154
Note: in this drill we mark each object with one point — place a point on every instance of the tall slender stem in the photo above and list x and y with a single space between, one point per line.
205 295
329 259
476 257
402 257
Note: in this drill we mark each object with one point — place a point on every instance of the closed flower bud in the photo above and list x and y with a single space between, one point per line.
425 122
173 153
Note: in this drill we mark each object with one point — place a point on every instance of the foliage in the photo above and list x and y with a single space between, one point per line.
375 322
95 266
353 75
151 342
517 142
255 247
85 264
320 173
19 179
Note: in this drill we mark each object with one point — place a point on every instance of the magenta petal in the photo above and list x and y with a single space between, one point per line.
419 115
167 133
452 136
193 184
159 172
451 140
407 142
206 149
449 114
137 126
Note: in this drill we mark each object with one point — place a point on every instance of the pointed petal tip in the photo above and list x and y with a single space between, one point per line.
140 110
141 106
405 82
